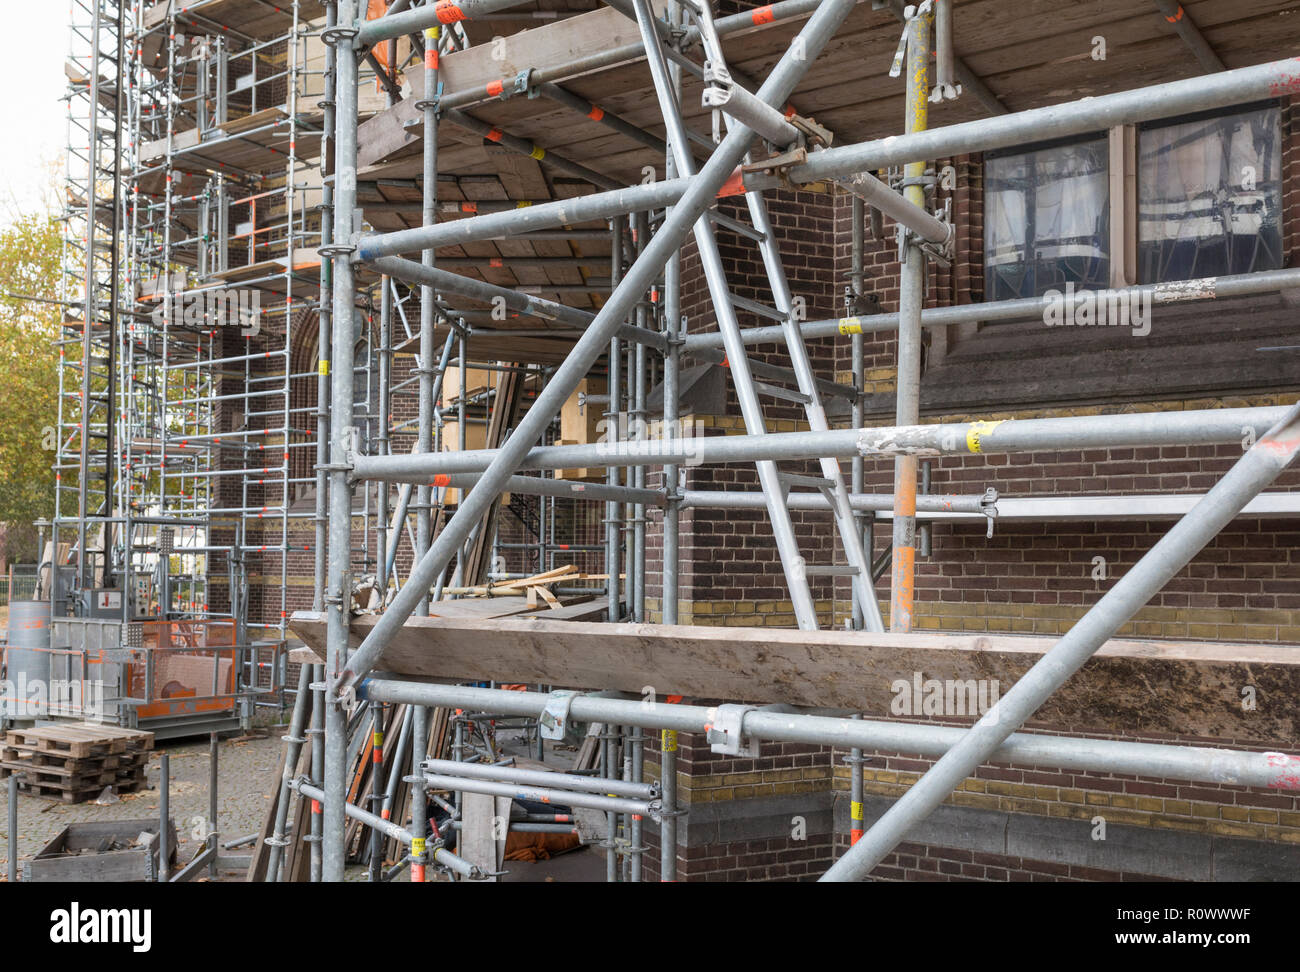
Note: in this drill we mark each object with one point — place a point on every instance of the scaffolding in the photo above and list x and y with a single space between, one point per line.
196 204
689 197
380 476
190 267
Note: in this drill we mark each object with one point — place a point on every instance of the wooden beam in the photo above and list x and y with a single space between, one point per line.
1183 688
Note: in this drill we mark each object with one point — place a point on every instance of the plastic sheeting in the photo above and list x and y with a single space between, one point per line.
1046 220
1209 197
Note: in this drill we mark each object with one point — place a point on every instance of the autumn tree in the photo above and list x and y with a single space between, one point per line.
30 251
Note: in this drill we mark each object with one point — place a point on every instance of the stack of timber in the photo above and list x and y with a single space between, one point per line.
74 763
536 588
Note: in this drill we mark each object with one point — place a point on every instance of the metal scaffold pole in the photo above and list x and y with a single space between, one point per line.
1144 429
338 588
429 183
1080 753
613 429
324 330
911 296
325 333
424 434
670 593
856 364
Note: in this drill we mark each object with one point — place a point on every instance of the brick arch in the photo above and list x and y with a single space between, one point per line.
304 358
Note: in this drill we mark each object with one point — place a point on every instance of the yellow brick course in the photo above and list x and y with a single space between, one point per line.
1121 808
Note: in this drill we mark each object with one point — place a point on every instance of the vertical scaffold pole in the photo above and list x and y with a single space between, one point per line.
613 432
857 359
338 585
324 316
911 297
670 593
420 717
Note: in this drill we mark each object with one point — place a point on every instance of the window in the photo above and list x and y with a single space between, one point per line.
1047 220
1210 196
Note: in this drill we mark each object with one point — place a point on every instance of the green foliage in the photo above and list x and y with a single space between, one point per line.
30 252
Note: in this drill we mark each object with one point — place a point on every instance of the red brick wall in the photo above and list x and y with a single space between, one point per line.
707 779
1030 577
918 862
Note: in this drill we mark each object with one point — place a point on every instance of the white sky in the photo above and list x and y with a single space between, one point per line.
33 45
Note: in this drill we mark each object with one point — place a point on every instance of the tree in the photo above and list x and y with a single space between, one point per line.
30 261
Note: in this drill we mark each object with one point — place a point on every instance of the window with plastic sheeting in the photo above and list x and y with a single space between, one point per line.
1210 196
1047 220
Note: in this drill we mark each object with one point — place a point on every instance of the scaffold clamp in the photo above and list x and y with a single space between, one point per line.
554 720
989 504
724 734
337 33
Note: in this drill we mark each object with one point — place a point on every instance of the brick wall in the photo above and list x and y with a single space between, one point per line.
785 772
918 862
1029 577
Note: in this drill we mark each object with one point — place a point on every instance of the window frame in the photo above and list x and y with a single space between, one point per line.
1191 117
1044 145
1123 167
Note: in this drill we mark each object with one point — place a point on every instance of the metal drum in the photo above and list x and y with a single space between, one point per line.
27 661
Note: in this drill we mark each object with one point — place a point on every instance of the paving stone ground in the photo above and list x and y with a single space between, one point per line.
248 773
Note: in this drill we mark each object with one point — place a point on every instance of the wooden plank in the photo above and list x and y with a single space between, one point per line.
1187 688
505 412
266 116
478 841
550 46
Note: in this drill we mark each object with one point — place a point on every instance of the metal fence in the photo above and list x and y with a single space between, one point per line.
18 584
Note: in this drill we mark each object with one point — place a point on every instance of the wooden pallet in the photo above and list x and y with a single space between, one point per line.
81 740
72 779
63 794
33 757
76 767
